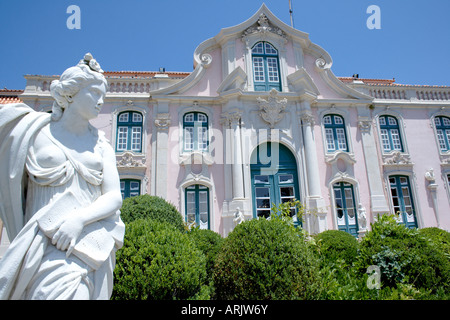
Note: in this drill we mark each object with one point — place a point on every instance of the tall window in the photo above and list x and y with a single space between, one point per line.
443 132
266 71
129 131
345 208
402 200
195 128
390 134
197 205
130 188
335 134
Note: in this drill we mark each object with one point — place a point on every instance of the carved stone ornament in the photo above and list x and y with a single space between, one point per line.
128 160
162 121
264 26
272 109
397 158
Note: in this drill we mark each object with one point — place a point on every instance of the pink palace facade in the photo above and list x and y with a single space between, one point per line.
261 120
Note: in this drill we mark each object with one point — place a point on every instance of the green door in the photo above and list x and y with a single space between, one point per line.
402 200
274 179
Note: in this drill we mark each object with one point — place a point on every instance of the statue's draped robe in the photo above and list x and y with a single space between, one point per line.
33 268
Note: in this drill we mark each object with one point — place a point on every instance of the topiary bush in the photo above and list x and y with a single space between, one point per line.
151 207
209 242
157 262
439 237
336 244
403 256
265 259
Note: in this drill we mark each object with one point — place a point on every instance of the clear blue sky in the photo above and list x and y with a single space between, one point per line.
413 44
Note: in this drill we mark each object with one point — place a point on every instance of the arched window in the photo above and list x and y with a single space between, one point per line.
130 188
195 129
129 131
443 132
197 205
335 133
345 205
266 71
390 134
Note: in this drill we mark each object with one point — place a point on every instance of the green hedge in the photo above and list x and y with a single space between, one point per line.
404 256
209 242
265 259
151 207
158 262
336 244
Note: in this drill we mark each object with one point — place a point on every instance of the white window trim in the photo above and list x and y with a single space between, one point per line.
114 128
345 115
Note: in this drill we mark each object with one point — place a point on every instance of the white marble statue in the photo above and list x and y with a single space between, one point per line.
60 194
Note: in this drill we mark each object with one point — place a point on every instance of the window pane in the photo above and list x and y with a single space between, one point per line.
134 185
396 139
286 178
270 49
327 120
392 121
123 117
137 117
446 121
189 117
441 139
202 138
136 138
287 192
122 137
330 139
338 120
258 69
188 138
437 121
342 142
385 140
261 179
202 118
272 69
262 192
258 49
382 121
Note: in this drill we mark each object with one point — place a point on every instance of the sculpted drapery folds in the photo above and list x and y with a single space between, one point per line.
60 194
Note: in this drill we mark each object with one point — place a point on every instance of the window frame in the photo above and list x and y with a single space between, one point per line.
200 130
445 134
126 190
397 183
386 134
331 130
342 186
264 70
126 127
196 189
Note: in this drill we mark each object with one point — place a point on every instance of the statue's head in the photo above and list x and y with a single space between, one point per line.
72 80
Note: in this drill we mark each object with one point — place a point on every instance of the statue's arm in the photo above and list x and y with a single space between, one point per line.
106 205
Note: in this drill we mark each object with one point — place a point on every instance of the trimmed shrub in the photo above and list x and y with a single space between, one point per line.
439 237
209 242
266 259
404 256
336 244
157 262
151 207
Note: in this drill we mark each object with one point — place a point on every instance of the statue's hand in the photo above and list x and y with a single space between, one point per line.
67 234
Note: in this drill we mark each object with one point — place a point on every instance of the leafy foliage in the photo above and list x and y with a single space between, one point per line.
159 262
335 244
265 259
151 207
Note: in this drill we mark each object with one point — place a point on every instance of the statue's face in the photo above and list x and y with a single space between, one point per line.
89 101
